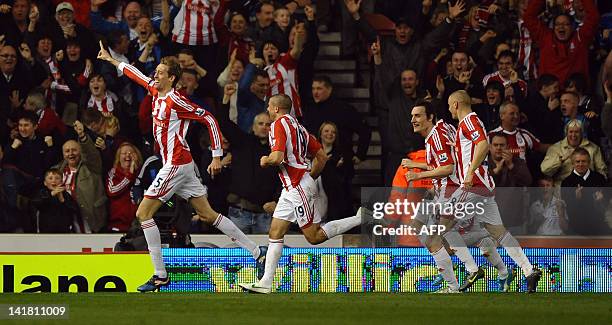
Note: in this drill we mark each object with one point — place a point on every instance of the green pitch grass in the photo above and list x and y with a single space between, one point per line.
315 309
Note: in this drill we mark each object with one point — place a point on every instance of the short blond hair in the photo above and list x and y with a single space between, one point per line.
462 97
281 101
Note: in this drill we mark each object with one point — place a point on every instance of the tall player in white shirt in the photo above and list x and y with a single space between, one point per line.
477 185
172 113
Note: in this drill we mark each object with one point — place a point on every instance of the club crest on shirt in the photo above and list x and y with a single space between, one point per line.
443 157
475 135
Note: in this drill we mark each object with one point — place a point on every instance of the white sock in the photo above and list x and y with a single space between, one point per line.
236 235
275 250
337 227
445 266
489 249
151 232
516 253
457 244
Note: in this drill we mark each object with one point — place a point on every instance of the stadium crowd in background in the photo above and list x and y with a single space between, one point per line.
75 131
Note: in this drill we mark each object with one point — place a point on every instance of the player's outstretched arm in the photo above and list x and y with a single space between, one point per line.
129 70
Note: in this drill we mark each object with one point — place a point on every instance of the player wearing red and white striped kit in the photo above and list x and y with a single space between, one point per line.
470 132
439 153
440 167
282 68
477 185
292 150
172 114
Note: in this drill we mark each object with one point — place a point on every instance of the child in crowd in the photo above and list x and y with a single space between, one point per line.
57 209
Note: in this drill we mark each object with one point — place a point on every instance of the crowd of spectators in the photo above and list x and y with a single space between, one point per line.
76 145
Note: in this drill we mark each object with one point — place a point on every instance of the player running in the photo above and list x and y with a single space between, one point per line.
440 167
292 148
172 113
477 185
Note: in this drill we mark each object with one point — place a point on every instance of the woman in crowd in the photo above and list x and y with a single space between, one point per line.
120 180
335 176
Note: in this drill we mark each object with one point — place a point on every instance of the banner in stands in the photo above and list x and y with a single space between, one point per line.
85 272
380 270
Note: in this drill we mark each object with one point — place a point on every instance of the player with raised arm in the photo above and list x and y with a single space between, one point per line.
477 185
172 113
292 148
440 166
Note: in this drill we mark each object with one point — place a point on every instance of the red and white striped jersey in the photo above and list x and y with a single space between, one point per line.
439 153
193 25
290 137
69 181
526 52
519 141
283 80
470 132
171 116
496 76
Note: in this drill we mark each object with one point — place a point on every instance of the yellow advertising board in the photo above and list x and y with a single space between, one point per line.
74 272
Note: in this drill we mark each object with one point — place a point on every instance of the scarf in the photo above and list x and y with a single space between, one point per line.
105 105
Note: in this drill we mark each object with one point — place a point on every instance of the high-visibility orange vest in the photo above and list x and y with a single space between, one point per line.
399 180
411 192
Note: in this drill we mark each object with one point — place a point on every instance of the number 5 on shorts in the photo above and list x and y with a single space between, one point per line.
158 181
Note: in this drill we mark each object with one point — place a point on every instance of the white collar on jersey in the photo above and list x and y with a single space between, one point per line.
471 113
433 129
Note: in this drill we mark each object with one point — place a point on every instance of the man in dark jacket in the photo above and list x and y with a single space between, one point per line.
253 190
396 132
252 89
327 108
25 162
543 110
404 51
585 197
16 80
511 175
